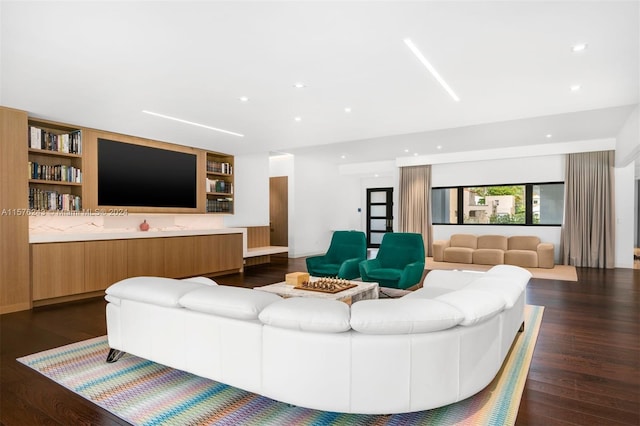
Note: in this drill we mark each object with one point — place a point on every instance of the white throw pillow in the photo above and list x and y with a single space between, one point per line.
231 302
403 316
154 290
476 305
308 314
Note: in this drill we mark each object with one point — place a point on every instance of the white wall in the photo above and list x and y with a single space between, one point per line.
625 217
324 201
251 191
628 140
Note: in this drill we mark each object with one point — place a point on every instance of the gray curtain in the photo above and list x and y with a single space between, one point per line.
415 203
588 232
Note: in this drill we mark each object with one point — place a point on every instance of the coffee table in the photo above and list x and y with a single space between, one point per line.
363 290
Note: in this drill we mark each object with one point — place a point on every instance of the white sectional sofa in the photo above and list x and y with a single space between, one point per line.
435 346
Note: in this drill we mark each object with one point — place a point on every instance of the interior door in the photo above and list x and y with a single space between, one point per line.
279 211
379 214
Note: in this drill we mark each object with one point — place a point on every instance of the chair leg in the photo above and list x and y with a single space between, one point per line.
521 329
114 355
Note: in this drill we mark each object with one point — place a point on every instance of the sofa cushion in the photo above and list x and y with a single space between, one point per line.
458 254
232 302
492 242
476 305
500 286
524 258
452 280
403 316
488 256
464 240
518 275
201 280
308 314
523 242
154 290
384 274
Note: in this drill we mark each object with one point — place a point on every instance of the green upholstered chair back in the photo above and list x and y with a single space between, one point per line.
398 249
347 245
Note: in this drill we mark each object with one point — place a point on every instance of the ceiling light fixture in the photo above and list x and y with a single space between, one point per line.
580 47
431 69
343 156
439 147
180 120
243 99
299 85
406 150
347 110
549 136
575 88
298 118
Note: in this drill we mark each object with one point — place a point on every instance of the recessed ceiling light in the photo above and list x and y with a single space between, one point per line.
415 154
180 120
580 47
299 85
343 156
439 147
431 69
243 99
376 175
548 136
347 109
298 118
575 88
406 150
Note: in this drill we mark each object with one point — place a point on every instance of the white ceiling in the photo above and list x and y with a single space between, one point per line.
99 64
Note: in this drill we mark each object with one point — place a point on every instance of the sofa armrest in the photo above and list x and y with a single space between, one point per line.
350 269
411 275
314 261
368 265
438 249
546 255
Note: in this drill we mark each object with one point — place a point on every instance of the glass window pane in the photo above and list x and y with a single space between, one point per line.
494 204
444 205
378 225
379 211
379 197
548 204
376 237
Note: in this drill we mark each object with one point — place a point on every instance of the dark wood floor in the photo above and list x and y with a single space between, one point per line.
585 368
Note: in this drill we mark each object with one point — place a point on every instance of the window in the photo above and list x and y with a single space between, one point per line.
519 204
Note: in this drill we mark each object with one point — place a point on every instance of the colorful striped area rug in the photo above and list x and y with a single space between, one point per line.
145 393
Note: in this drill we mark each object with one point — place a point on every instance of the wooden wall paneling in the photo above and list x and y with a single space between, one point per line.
206 259
89 169
58 269
258 236
145 257
15 289
105 263
179 256
279 210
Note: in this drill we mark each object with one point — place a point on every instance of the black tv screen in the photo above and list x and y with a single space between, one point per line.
143 176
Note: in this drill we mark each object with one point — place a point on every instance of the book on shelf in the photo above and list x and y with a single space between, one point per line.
219 186
53 201
220 205
57 173
219 167
69 143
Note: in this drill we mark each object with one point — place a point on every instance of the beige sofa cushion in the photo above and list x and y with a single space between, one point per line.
488 256
458 255
492 242
464 240
520 242
524 258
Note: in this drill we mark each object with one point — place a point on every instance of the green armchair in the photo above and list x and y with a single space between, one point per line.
399 263
346 251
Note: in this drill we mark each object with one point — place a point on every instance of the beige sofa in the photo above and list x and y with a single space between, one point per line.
524 251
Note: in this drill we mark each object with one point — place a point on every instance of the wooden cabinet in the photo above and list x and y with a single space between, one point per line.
105 262
57 269
65 269
145 256
219 183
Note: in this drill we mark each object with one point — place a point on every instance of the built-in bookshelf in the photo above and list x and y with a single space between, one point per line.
219 183
54 166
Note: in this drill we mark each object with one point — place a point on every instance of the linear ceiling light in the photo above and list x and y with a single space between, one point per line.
431 69
168 117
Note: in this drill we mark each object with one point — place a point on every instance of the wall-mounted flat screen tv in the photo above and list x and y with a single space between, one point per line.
143 176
